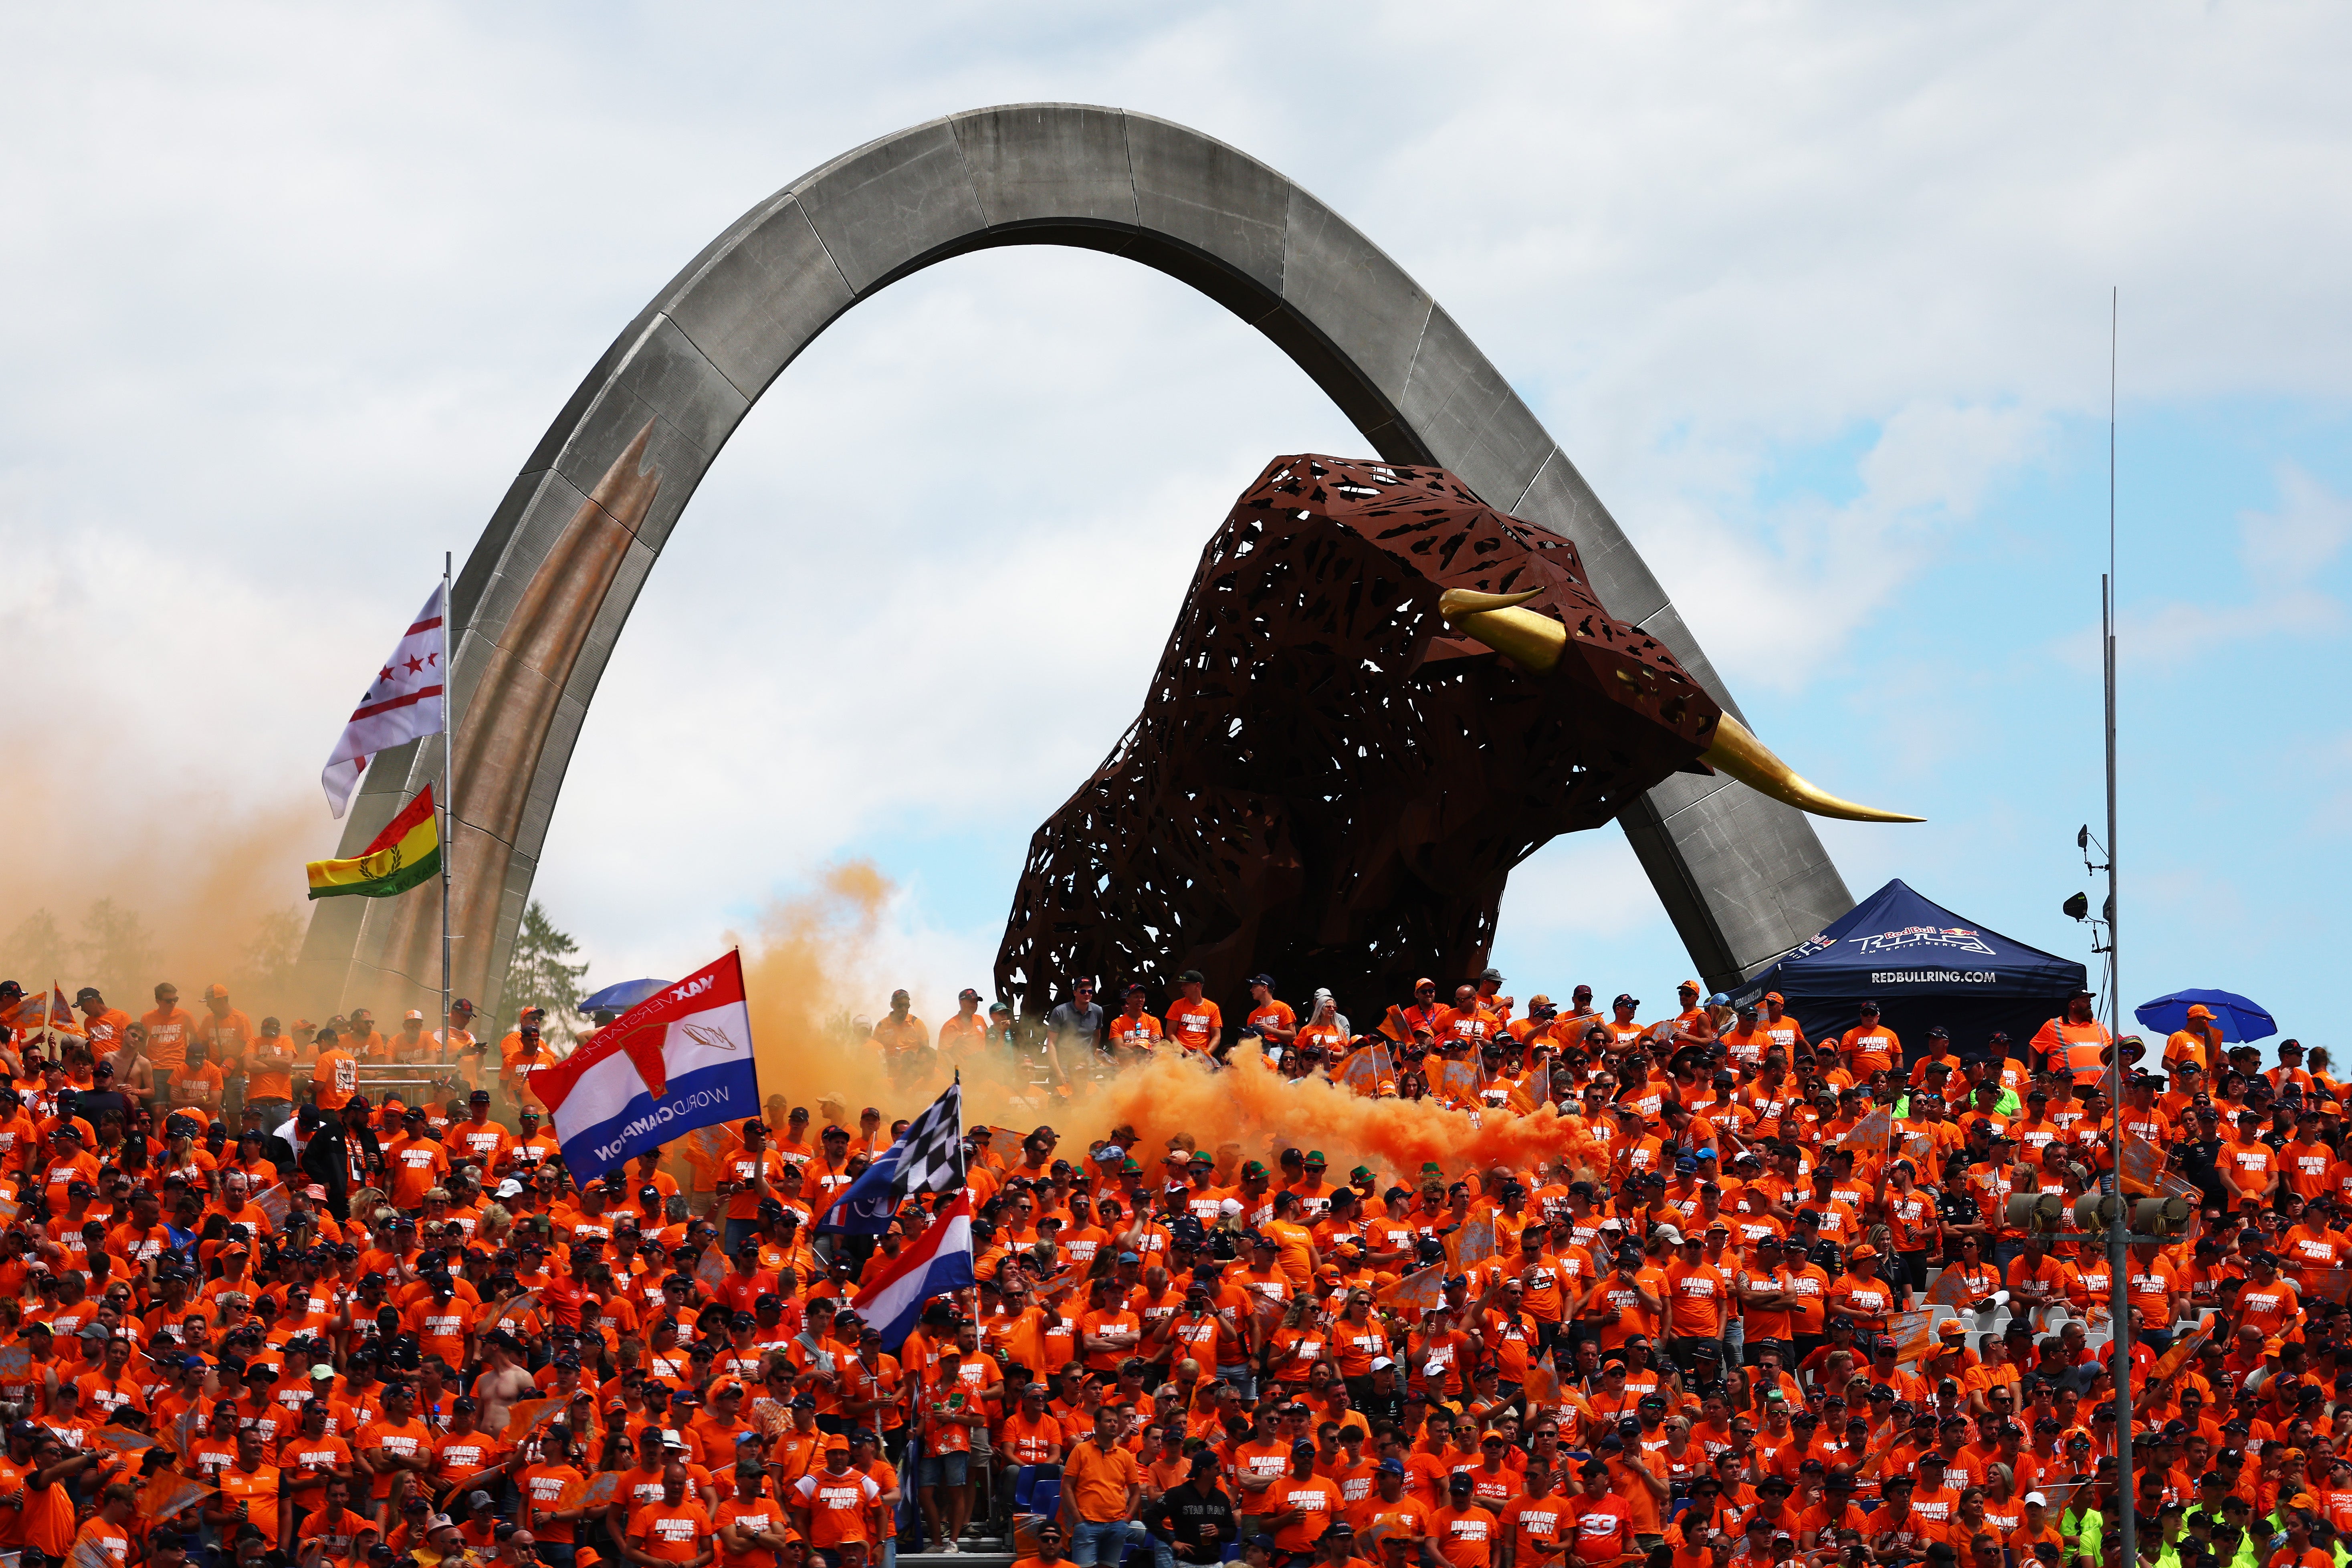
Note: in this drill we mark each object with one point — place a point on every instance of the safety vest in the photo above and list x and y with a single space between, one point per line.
2090 1049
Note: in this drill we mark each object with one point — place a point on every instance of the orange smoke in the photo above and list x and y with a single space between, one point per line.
201 889
1265 1114
808 973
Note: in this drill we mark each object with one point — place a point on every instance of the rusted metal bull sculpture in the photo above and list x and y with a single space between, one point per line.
1334 772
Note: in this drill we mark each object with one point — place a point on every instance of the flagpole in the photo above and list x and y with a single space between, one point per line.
448 813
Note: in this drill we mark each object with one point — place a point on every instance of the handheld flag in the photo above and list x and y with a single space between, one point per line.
712 1270
408 851
1421 1290
1951 1288
1542 1384
935 1263
1911 1337
52 1015
528 1416
274 1203
168 1492
926 1158
678 1060
1870 1132
403 702
2141 1164
1473 1244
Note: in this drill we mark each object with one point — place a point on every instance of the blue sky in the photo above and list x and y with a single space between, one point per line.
1817 298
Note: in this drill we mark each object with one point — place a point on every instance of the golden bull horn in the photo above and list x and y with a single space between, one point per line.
1536 641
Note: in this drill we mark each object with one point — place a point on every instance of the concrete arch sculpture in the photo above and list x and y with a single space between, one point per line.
544 593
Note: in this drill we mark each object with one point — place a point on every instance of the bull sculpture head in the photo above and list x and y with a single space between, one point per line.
1334 772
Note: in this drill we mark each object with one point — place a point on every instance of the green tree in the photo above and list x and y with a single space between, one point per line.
272 954
37 952
116 954
540 975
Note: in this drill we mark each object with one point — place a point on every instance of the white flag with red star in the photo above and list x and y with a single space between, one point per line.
402 703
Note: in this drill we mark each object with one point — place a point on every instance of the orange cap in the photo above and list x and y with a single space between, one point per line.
215 991
2200 1011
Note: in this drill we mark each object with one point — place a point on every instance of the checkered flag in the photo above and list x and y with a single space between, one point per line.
926 1158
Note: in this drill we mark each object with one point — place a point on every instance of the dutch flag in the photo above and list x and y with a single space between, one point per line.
678 1060
938 1262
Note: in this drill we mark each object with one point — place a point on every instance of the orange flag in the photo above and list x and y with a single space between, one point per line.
168 1492
2173 1360
1870 1132
1911 1337
2335 1284
1473 1244
1950 1290
2141 1165
1542 1384
1361 1073
526 1416
1419 1291
594 1492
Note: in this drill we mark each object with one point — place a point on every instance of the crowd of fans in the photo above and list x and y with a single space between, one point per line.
249 1309
1672 1340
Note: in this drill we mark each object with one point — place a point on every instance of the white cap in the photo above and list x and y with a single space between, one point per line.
1670 1235
2037 1496
413 1015
1381 1363
509 1188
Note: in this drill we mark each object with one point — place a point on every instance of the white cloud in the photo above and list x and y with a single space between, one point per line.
297 290
2281 553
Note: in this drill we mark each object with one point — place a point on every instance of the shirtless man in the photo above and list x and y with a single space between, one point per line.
502 1380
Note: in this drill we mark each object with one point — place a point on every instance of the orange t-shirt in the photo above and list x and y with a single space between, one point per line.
837 1505
1535 1527
675 1534
2270 1308
1274 1014
1466 1536
1867 1051
167 1036
337 1074
760 1514
271 1083
109 1542
1318 1502
259 1492
1193 1023
1030 1442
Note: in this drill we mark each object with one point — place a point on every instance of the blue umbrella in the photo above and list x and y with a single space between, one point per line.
621 997
2240 1019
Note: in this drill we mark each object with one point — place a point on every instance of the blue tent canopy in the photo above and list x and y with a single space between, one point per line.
621 996
1923 965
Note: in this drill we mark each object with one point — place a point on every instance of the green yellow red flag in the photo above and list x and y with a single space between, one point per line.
408 851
